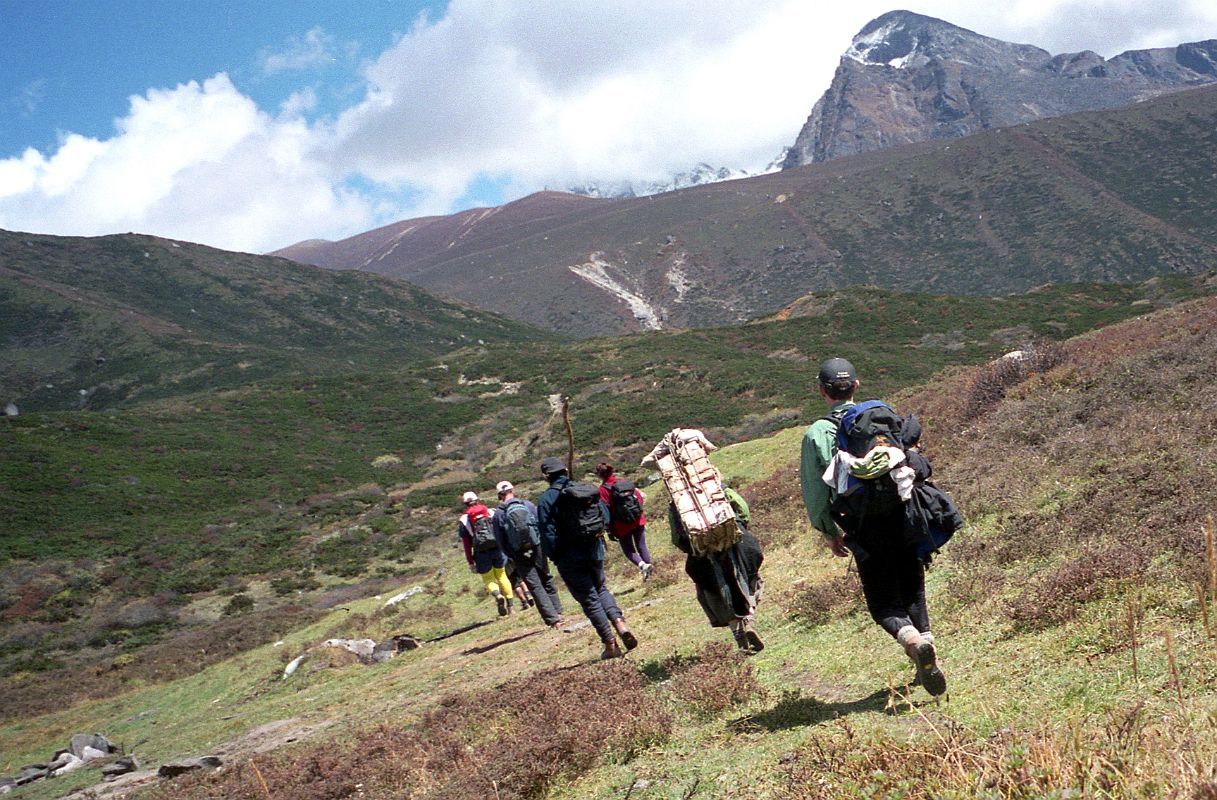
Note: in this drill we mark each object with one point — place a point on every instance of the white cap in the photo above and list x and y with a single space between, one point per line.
469 497
504 487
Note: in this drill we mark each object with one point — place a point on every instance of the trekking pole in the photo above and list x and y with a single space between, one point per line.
570 438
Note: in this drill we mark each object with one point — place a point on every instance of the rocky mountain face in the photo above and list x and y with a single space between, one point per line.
910 78
1115 196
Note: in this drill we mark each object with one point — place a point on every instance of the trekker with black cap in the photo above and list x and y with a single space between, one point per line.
572 523
873 515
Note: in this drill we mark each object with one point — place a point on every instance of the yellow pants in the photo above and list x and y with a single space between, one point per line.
496 578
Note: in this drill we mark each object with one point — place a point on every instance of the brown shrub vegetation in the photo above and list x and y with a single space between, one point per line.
822 601
1058 595
776 503
512 741
1089 468
716 679
1116 760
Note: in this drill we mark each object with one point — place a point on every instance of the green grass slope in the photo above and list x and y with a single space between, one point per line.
94 322
1074 615
138 538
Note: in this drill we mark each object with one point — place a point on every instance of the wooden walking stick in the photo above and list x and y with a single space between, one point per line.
570 438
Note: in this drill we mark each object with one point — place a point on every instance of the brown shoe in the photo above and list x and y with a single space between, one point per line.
623 630
755 643
611 650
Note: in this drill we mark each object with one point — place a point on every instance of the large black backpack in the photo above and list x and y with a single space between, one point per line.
860 428
523 533
580 516
624 504
483 534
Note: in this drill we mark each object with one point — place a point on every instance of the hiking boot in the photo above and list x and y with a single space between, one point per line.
646 570
503 603
511 606
611 650
740 640
753 639
630 640
931 677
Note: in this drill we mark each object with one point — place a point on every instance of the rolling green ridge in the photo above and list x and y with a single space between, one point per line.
1074 617
119 524
127 318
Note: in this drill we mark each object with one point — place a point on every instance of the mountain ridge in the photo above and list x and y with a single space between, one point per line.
90 322
1116 195
907 78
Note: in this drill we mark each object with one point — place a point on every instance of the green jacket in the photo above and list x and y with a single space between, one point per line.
819 446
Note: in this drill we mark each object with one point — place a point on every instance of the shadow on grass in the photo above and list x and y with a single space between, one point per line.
473 651
463 629
795 710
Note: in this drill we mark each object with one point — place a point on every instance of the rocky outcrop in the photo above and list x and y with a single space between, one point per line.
910 78
82 749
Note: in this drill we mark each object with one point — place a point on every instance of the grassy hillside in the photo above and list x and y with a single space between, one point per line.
130 530
1113 196
95 322
1074 616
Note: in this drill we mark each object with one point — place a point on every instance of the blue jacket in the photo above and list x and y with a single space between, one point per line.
559 548
499 518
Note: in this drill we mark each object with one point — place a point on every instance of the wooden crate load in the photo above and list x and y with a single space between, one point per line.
696 487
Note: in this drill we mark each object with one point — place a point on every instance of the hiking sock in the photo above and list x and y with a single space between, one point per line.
737 631
908 637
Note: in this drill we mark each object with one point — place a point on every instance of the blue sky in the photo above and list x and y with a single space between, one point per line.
252 125
71 65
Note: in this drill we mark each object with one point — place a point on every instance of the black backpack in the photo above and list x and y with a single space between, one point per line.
523 533
483 534
579 512
860 428
624 503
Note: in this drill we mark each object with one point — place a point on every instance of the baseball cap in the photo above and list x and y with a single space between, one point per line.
469 497
504 487
837 369
552 465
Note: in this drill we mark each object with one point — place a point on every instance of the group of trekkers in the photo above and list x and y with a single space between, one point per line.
865 487
527 537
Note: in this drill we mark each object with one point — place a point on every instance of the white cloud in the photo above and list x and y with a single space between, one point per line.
32 95
520 93
315 48
199 162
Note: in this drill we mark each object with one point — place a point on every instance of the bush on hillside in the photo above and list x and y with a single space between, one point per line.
822 601
991 385
719 677
1087 475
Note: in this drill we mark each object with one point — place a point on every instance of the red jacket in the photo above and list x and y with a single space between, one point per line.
465 527
617 528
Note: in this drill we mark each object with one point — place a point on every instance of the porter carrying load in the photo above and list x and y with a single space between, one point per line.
696 487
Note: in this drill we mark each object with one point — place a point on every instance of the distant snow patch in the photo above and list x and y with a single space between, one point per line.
596 273
677 277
